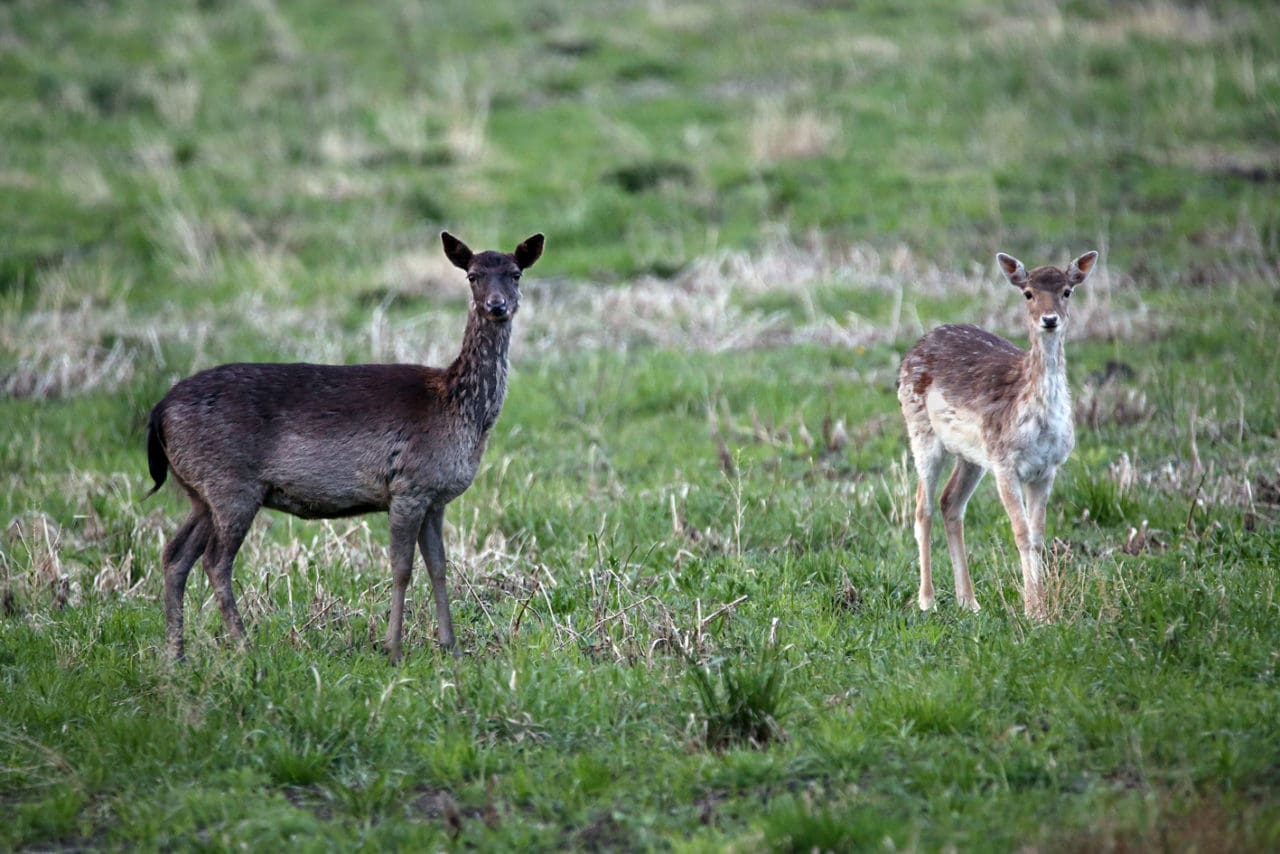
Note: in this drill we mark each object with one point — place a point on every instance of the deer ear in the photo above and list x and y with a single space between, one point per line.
1012 269
529 251
1081 267
455 250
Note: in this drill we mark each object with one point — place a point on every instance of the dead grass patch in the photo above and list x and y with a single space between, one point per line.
1156 20
36 537
1111 397
83 338
702 308
78 339
779 133
465 106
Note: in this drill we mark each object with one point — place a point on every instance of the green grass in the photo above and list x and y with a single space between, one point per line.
684 577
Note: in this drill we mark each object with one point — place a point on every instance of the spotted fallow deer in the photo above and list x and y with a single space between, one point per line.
327 441
973 395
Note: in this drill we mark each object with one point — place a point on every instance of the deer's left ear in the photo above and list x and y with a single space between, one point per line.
529 251
1081 267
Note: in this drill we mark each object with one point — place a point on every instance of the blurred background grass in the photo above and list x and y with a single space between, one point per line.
180 142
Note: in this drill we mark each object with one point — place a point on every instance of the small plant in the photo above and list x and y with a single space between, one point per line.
1101 499
741 701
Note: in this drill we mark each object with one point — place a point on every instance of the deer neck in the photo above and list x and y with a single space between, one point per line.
478 377
1045 368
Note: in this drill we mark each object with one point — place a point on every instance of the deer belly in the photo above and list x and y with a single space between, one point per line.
313 506
959 430
325 487
325 498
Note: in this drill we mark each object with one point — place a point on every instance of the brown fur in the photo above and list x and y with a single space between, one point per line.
325 441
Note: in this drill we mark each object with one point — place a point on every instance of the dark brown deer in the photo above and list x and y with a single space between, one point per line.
974 395
327 441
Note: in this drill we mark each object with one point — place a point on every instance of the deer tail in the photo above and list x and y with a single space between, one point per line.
157 459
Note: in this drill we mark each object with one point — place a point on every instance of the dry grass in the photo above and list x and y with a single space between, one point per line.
701 308
1076 586
61 349
344 146
82 179
1112 398
780 133
1156 20
333 580
189 238
38 538
403 124
282 39
465 105
1159 20
176 98
80 338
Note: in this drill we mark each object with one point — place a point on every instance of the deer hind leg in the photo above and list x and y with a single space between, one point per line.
1037 495
180 554
406 522
431 542
1014 500
929 455
229 533
955 498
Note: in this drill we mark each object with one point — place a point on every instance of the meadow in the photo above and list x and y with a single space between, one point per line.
684 579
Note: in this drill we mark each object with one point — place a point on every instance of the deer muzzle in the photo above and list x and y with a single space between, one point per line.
497 308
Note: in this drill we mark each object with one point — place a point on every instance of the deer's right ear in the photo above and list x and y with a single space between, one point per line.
529 251
1012 269
455 250
1081 267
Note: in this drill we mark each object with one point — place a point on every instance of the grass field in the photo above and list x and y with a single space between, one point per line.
684 579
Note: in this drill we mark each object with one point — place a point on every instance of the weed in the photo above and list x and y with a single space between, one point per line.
742 700
1101 498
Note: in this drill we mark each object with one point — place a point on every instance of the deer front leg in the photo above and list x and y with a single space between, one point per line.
1011 496
1037 503
406 520
431 541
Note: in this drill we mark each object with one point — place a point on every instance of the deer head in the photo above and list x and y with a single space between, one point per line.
1047 289
494 276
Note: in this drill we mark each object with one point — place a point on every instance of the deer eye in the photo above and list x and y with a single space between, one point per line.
472 278
1027 294
516 275
1066 294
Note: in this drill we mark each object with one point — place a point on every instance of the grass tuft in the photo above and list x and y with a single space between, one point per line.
741 701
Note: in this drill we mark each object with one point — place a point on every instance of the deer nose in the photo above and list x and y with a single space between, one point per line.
497 306
1049 321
